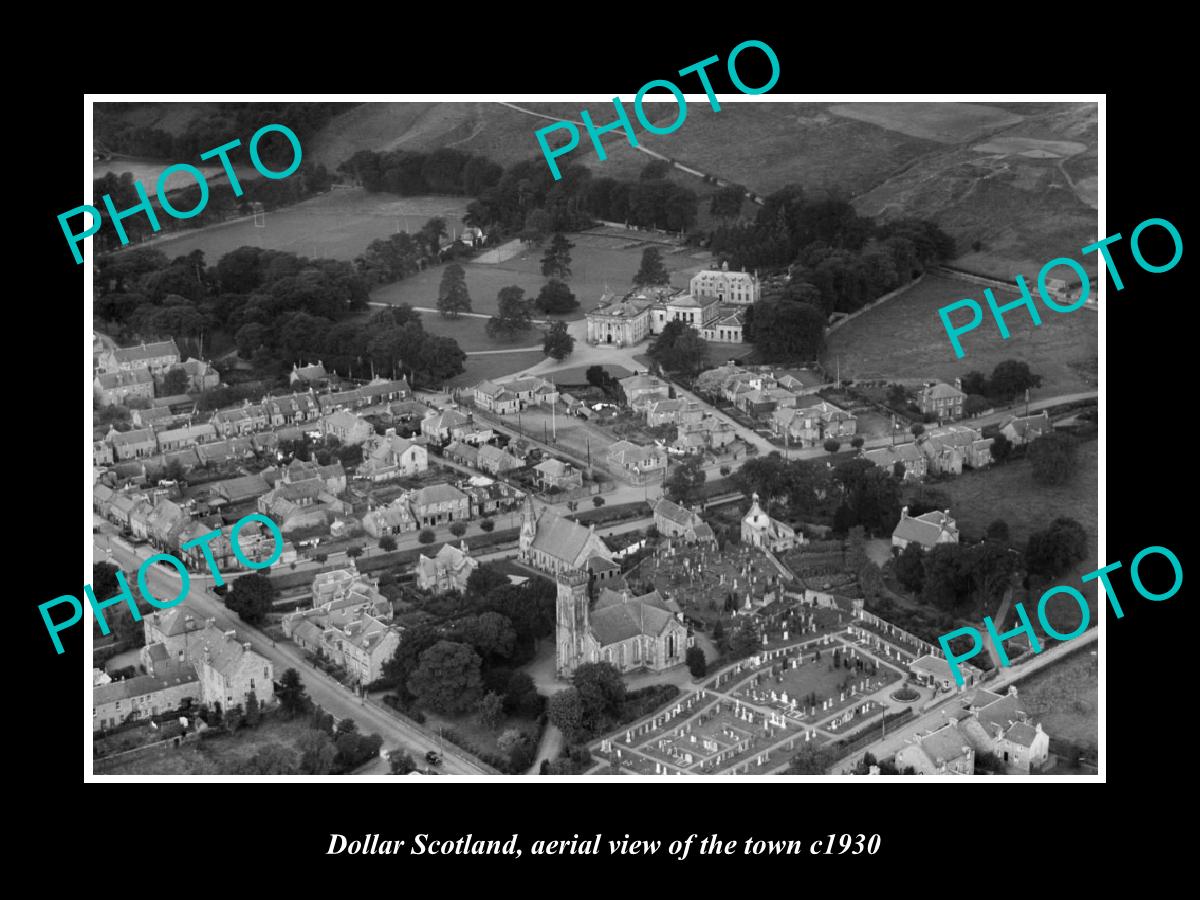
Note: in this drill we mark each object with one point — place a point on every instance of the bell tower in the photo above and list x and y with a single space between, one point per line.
571 620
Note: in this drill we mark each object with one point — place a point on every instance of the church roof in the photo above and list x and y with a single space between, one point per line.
629 617
560 538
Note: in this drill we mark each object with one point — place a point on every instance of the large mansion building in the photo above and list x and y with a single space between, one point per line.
714 306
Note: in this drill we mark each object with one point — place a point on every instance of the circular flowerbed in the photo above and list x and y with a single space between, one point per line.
906 695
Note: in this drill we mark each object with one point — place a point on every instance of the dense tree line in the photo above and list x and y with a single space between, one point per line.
837 260
279 309
524 198
217 125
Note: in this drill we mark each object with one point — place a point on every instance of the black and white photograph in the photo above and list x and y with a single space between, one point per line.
489 438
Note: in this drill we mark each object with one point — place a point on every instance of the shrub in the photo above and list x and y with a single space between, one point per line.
725 470
458 529
426 536
832 445
597 501
387 543
487 525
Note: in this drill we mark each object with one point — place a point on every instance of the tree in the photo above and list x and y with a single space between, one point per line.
601 691
652 270
565 711
485 579
401 763
175 382
512 739
1001 447
317 753
1053 458
910 567
811 761
997 530
555 297
431 235
253 714
947 576
857 441
487 525
1053 550
446 678
293 698
1010 378
558 343
556 264
271 759
679 348
354 749
655 169
974 383
453 299
426 536
726 202
975 404
832 445
783 329
514 315
597 501
252 596
686 480
387 543
458 529
696 662
491 710
917 430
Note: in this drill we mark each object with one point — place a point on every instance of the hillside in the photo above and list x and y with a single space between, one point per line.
1019 179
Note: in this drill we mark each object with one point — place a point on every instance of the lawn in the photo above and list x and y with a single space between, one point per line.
1063 697
599 264
905 338
1008 492
335 225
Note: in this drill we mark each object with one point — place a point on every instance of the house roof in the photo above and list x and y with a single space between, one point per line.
241 488
555 468
942 391
139 686
437 493
146 351
944 745
642 382
129 438
110 380
492 454
1022 733
447 418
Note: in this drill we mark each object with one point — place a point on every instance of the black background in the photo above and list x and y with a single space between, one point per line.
931 836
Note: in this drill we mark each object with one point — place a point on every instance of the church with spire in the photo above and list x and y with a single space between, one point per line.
553 544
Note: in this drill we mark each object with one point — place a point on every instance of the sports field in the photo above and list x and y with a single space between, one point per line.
335 225
905 338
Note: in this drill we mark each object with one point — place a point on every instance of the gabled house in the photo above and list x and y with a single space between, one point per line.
673 520
390 456
1026 429
113 388
642 389
137 443
640 462
762 531
497 399
347 427
447 570
926 530
440 504
492 459
942 400
442 427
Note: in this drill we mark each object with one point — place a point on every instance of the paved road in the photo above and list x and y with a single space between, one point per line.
334 697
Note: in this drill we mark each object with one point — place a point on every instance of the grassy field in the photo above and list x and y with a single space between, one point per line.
1063 697
946 123
891 158
335 225
1008 492
905 338
218 755
598 264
